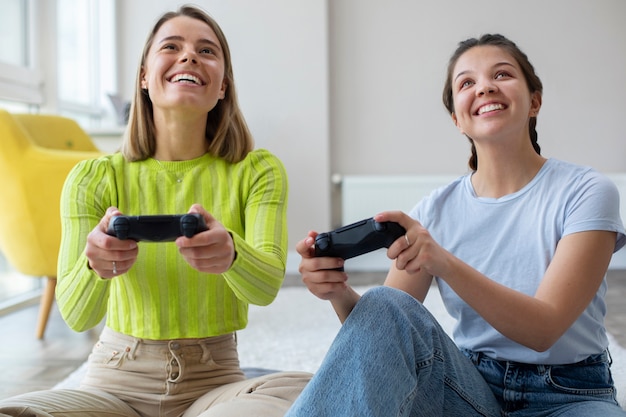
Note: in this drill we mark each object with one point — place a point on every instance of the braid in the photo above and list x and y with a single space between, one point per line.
533 134
473 161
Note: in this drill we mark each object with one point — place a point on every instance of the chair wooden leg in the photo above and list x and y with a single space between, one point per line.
47 299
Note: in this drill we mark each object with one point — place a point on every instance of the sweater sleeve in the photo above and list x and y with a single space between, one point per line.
82 295
259 269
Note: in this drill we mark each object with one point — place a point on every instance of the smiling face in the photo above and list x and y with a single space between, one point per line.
184 67
490 95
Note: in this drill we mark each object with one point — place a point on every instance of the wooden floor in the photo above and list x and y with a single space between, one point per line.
29 364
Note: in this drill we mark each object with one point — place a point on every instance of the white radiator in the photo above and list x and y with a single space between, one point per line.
363 196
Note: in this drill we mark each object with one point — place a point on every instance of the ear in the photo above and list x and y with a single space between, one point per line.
223 89
456 123
535 103
144 83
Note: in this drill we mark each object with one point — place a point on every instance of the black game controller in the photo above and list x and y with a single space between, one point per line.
357 238
156 228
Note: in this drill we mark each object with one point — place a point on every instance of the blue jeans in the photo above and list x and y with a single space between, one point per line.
391 358
523 390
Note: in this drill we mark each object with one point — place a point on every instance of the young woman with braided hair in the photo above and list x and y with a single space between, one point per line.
519 248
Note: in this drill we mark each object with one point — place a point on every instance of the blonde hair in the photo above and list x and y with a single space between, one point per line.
227 132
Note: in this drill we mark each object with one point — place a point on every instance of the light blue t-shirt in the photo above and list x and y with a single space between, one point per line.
512 241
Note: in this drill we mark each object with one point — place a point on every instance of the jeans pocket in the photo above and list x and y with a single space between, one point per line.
107 354
222 355
582 379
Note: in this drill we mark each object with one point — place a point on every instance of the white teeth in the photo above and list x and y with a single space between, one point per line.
490 107
185 78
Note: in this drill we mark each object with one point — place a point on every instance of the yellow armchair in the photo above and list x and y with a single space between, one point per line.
36 154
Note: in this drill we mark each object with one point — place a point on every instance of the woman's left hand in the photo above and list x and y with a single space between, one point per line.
416 251
211 251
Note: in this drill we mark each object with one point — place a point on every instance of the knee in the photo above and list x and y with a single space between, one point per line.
60 402
267 395
378 295
284 385
390 307
389 299
28 404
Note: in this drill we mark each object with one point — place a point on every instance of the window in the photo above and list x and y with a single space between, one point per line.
86 59
61 59
14 32
20 79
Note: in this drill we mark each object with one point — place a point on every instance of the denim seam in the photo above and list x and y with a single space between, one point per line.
465 396
579 391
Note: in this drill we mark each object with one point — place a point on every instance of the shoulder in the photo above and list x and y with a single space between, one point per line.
459 184
261 156
262 161
590 199
454 189
97 166
437 198
577 178
557 168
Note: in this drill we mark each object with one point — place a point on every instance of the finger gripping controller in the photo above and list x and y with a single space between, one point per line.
156 228
357 238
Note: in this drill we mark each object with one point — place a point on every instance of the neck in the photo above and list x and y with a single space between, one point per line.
179 136
497 177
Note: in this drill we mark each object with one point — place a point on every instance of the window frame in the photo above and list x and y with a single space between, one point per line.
24 84
36 84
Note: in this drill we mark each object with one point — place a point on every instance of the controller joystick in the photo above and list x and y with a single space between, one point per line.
156 228
357 238
189 224
121 227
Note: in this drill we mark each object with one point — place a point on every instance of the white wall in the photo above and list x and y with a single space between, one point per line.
388 63
354 86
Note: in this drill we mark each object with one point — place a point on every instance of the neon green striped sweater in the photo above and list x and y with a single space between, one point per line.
161 296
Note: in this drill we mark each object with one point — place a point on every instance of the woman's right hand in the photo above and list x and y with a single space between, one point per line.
322 278
108 255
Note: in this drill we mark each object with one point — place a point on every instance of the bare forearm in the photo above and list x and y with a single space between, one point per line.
343 305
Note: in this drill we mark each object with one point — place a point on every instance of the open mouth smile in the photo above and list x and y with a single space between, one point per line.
489 108
186 78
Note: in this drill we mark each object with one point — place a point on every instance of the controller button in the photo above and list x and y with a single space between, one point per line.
323 243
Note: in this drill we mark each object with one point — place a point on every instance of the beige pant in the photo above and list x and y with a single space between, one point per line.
190 377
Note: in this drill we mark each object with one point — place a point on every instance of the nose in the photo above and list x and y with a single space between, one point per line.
486 87
189 56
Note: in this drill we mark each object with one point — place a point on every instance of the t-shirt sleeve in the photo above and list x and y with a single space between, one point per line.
594 205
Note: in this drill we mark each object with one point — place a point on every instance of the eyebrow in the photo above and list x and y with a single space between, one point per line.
499 64
180 39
